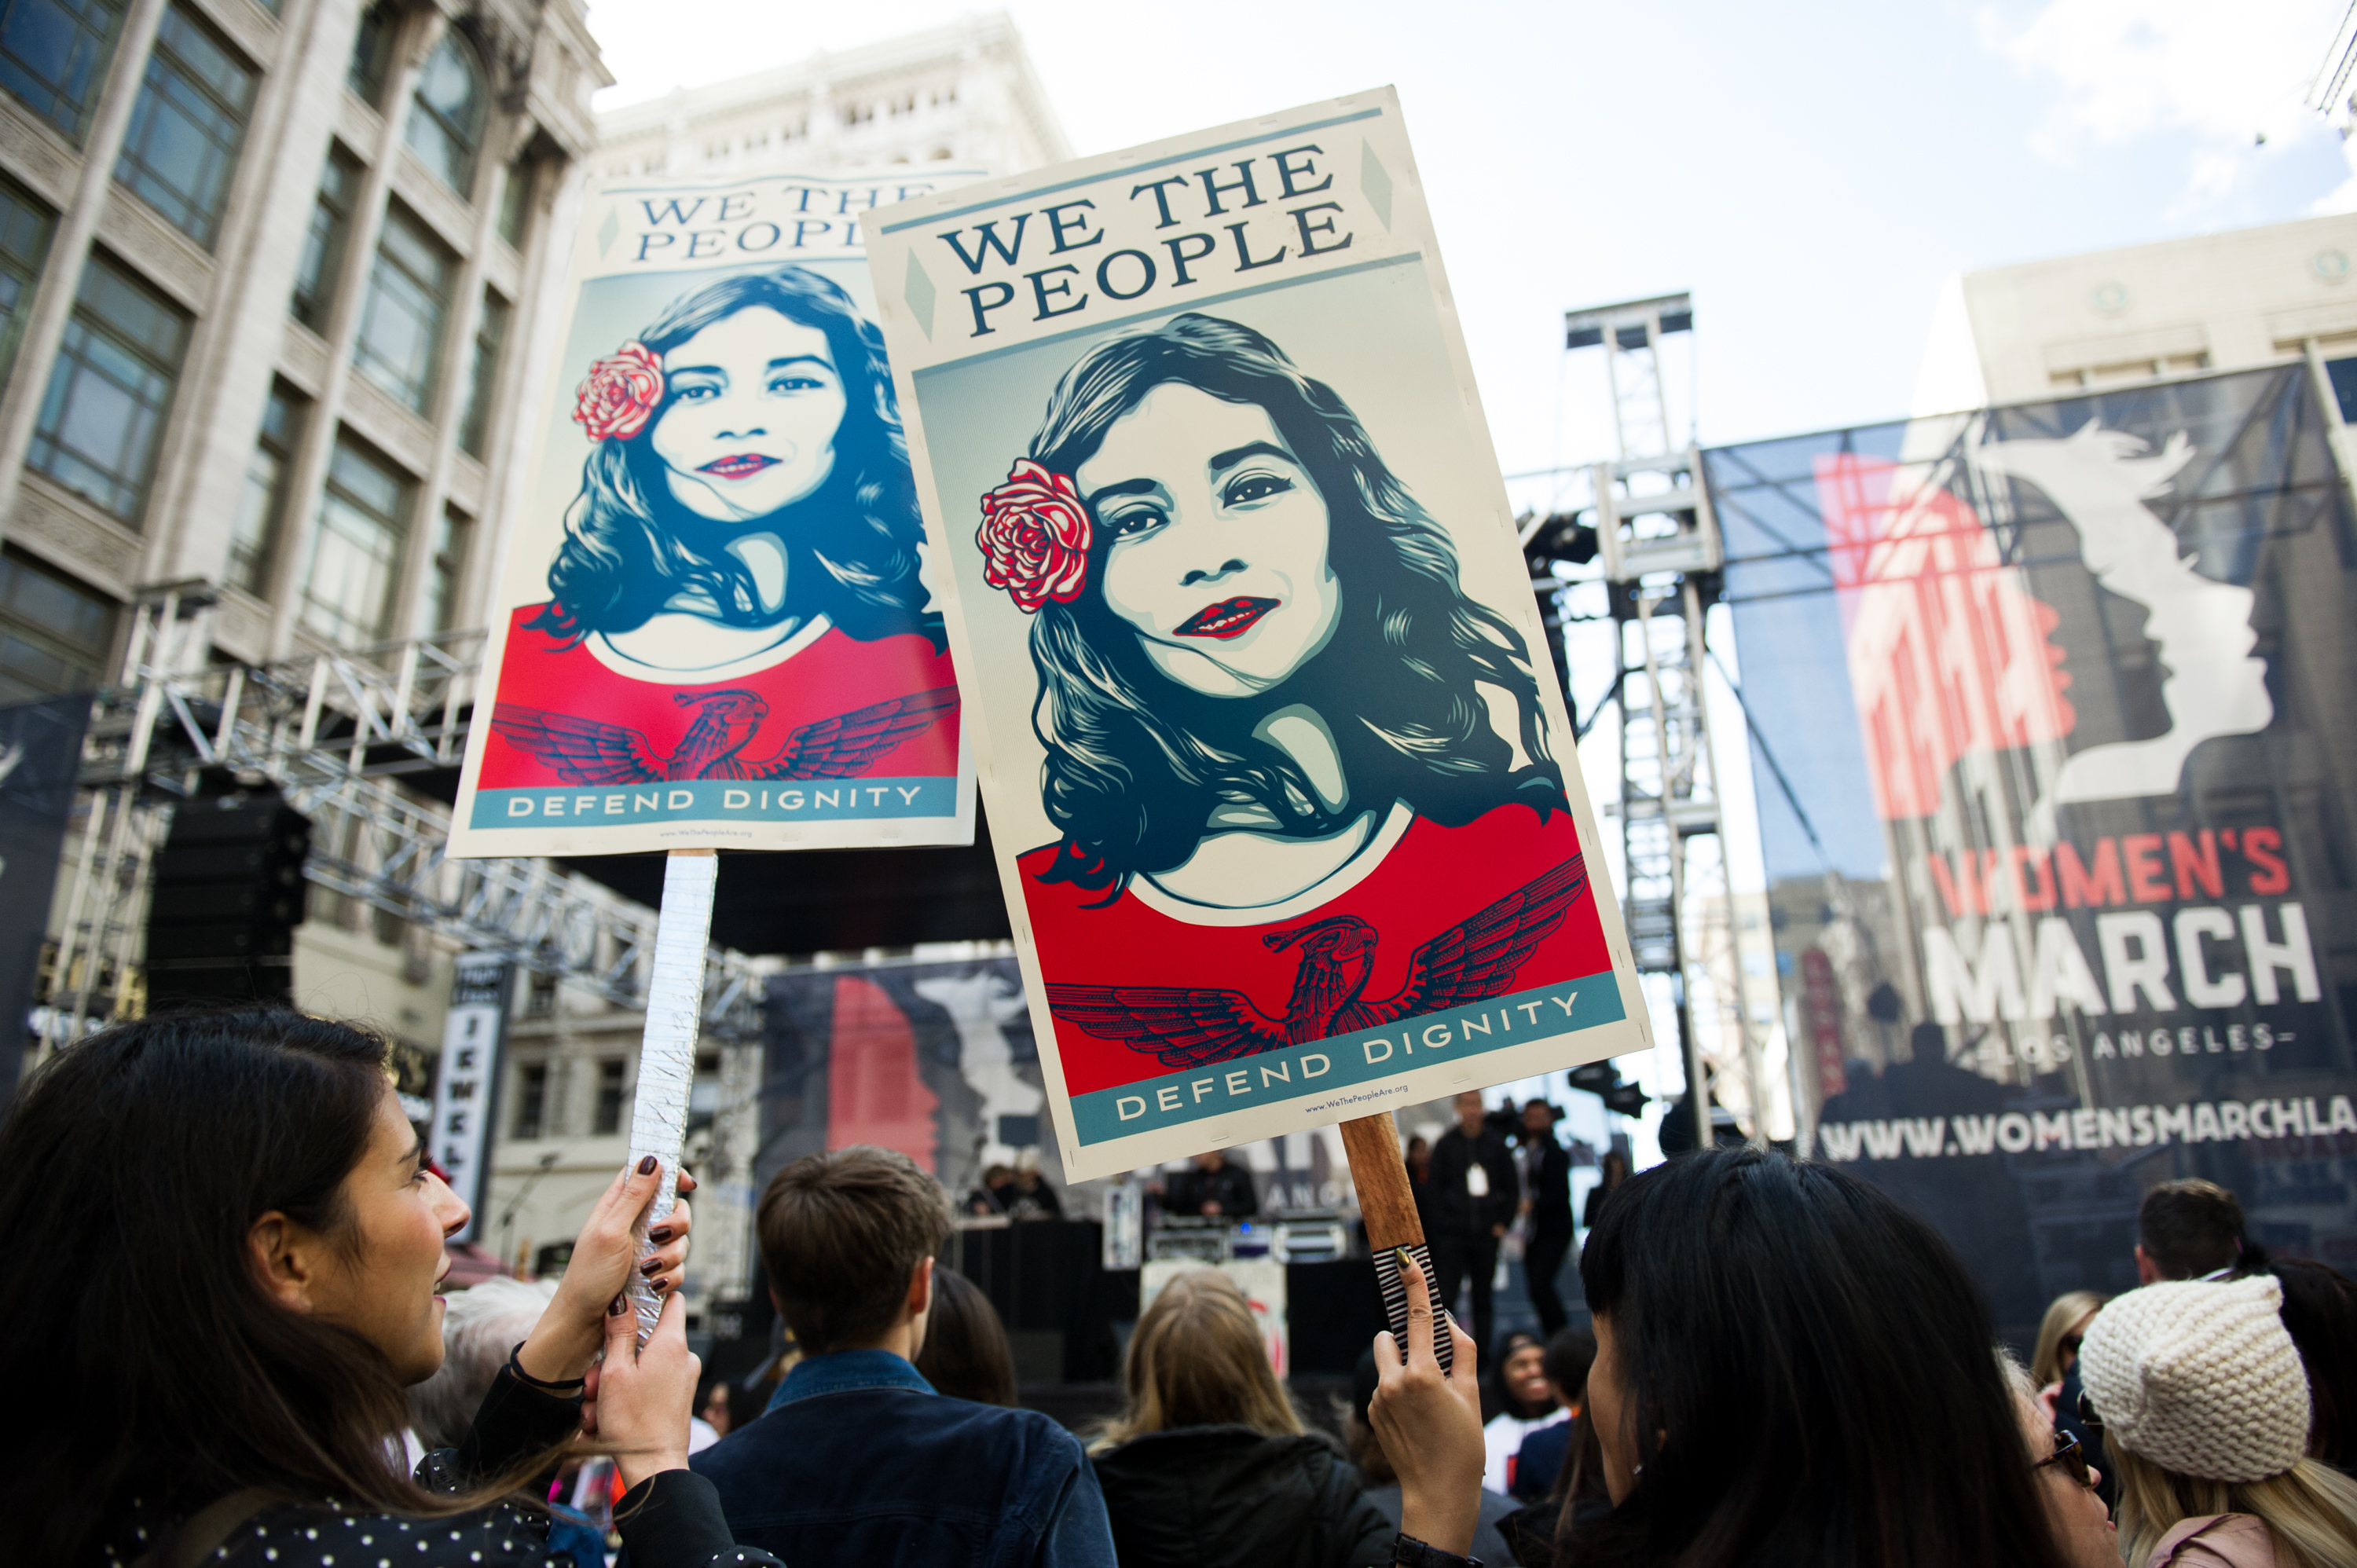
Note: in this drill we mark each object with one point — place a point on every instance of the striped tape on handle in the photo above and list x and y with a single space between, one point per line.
1387 1275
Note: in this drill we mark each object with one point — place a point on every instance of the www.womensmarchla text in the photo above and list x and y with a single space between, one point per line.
2118 1127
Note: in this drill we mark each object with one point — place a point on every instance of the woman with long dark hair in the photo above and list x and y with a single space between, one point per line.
230 1243
745 538
1283 745
1755 1398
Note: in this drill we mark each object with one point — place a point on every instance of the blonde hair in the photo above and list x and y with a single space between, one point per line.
2035 1427
2070 1310
2310 1510
1197 1360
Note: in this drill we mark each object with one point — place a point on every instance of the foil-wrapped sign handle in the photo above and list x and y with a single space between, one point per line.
667 1056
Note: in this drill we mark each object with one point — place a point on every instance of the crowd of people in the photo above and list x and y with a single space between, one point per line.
226 1309
1499 1177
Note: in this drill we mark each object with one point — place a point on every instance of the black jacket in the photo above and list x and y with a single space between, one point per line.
1550 1191
1459 1212
1199 1495
668 1521
1230 1186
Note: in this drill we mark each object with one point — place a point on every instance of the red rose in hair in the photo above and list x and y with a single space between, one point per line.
620 392
1035 537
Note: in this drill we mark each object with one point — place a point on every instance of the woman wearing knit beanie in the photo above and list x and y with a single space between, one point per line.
2205 1412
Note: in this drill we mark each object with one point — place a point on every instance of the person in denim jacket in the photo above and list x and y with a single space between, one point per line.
858 1460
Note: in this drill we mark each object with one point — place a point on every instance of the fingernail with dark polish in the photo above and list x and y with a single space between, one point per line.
659 1235
651 1267
646 1166
617 1308
657 1287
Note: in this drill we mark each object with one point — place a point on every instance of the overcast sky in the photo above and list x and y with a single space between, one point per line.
1809 171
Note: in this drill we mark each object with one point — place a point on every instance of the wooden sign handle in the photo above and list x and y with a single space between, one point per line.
1387 1207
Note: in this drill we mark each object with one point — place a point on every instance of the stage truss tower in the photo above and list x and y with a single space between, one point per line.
1657 546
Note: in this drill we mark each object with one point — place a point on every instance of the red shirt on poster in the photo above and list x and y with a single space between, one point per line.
1432 880
726 728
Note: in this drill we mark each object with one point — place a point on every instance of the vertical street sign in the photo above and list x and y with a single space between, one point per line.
466 1087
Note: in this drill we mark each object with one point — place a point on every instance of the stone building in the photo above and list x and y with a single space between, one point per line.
965 92
273 275
273 278
2232 300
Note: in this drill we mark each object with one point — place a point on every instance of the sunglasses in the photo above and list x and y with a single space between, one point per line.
2071 1457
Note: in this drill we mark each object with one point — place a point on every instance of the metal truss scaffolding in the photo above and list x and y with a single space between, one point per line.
333 732
1657 544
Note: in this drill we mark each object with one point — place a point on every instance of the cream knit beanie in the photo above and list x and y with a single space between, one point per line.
2200 1379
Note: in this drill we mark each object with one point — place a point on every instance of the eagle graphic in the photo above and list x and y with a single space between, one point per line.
584 751
1192 1026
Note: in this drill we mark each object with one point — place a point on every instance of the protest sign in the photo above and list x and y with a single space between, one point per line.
713 628
1290 829
2058 698
713 625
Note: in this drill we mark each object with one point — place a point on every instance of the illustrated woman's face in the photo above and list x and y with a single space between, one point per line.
1219 556
755 400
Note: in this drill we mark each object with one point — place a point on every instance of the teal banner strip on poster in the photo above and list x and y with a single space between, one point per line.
1308 1075
720 800
1187 156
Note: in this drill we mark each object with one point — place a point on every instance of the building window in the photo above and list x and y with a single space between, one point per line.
253 531
356 549
187 127
103 413
2343 374
608 1118
370 66
531 1100
491 334
446 122
323 244
400 345
25 231
452 537
55 634
53 56
515 203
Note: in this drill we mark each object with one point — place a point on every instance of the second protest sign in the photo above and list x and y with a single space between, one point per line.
1281 785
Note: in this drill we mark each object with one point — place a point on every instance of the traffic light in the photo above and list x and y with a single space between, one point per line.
228 894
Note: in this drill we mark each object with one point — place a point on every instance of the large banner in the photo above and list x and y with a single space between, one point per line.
938 1060
2059 800
714 628
40 756
1290 830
